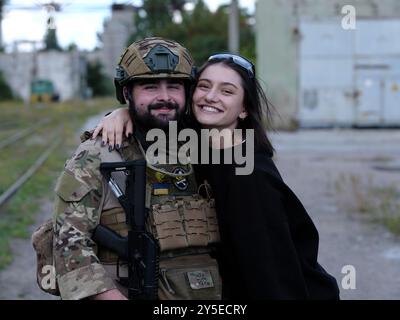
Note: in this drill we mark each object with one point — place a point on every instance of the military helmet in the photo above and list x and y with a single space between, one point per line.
153 58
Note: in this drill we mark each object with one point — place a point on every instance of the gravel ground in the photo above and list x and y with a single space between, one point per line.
18 280
311 162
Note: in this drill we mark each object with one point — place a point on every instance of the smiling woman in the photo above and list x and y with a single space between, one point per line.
218 98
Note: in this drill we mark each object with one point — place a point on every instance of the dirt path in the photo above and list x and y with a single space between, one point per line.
312 164
18 280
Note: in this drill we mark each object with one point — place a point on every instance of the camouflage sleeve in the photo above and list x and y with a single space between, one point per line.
77 212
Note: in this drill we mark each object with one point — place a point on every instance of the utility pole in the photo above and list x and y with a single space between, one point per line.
51 8
233 31
33 74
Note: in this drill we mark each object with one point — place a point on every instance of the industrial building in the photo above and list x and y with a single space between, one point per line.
331 63
66 70
115 36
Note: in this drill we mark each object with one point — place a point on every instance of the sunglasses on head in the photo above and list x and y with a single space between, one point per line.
238 60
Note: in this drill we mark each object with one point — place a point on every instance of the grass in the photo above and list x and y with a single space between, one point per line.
382 159
20 211
21 155
380 204
387 211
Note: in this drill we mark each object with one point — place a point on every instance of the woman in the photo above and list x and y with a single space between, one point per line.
269 245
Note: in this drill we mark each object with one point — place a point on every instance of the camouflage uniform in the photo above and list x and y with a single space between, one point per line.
77 212
183 223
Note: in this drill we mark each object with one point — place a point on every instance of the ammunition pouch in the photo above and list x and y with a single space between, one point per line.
184 223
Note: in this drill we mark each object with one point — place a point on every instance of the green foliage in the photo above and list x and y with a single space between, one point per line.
203 32
2 4
72 47
154 16
247 46
97 80
50 40
5 90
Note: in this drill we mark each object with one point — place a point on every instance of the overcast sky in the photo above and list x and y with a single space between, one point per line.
73 24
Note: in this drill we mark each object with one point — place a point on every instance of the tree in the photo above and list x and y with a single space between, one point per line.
154 16
203 32
2 4
247 37
97 81
50 40
5 90
72 47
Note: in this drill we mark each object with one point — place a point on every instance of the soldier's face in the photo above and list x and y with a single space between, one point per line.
158 101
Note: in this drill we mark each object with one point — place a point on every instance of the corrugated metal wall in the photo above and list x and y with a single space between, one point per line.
320 74
349 77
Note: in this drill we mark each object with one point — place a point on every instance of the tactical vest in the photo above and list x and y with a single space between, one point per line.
183 223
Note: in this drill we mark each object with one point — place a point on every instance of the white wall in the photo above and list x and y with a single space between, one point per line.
287 64
64 69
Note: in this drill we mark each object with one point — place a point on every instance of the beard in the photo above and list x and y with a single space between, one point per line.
147 120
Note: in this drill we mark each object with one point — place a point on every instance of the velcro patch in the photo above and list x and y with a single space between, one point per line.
200 279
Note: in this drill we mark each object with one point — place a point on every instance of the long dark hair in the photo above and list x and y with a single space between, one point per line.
259 110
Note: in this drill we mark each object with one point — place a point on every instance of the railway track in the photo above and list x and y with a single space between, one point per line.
8 124
5 196
22 133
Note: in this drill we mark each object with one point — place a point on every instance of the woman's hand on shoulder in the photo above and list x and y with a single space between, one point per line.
113 126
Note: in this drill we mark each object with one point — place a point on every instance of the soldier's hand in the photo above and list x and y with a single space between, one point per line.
113 126
113 294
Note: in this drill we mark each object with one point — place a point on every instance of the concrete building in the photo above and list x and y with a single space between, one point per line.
65 69
117 31
322 67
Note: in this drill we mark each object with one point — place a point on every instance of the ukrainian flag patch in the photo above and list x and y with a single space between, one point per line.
160 189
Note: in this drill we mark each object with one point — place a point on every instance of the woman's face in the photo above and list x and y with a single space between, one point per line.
218 98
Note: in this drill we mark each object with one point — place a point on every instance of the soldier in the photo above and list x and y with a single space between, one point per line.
153 77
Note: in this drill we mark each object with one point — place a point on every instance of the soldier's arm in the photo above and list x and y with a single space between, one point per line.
77 212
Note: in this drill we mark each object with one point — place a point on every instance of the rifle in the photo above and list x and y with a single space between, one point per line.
139 249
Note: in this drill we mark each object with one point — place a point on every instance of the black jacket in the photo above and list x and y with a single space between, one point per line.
269 244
